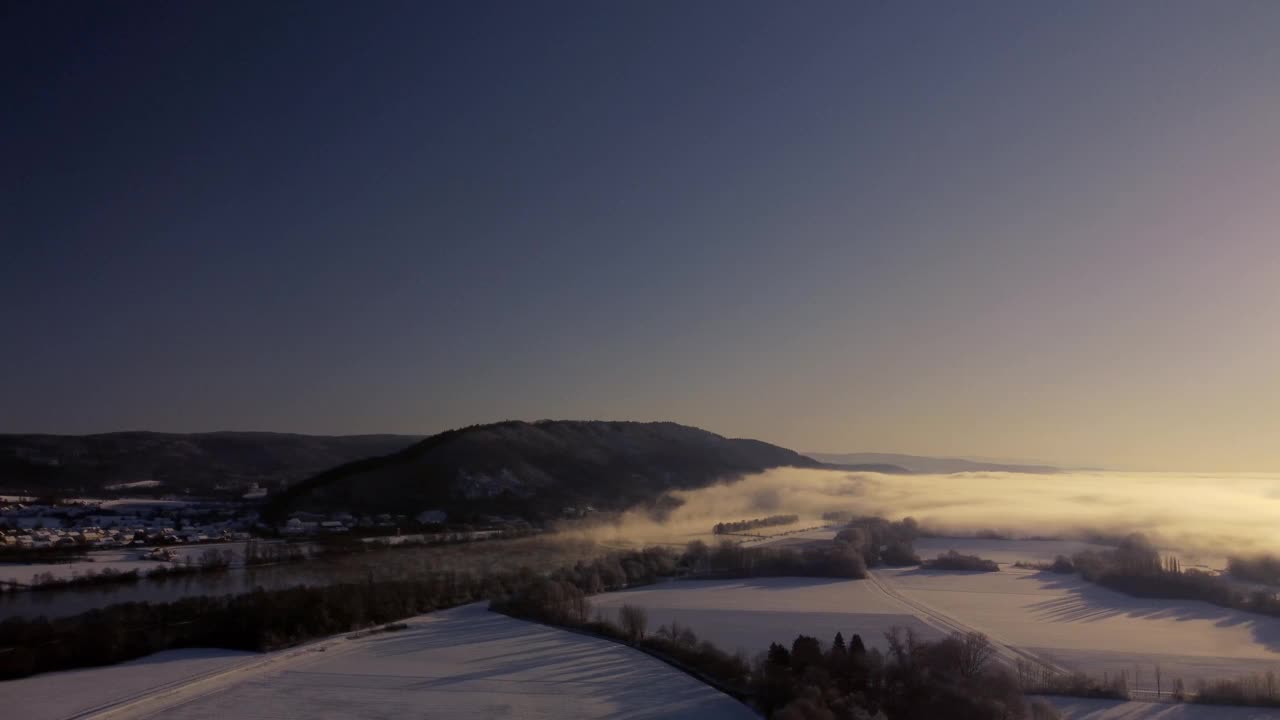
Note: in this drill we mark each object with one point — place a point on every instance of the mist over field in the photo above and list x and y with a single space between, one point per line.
1195 513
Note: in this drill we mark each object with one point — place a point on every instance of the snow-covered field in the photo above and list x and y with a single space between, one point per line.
1057 619
749 614
1080 709
460 663
66 694
1081 625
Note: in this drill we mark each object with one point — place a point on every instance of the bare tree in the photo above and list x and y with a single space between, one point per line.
976 652
633 620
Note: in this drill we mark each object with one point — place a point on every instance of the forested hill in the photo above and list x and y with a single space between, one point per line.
538 469
163 463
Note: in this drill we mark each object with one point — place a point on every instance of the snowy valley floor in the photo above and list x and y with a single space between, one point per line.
1060 620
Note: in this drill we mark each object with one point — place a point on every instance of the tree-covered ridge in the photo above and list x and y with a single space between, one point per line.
538 470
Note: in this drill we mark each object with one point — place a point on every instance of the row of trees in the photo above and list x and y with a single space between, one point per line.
212 559
952 560
1136 568
1263 569
259 553
1257 690
729 559
725 528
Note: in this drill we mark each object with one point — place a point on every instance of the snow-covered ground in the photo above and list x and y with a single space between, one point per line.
1077 624
133 485
67 694
1060 620
1080 709
460 663
118 559
749 614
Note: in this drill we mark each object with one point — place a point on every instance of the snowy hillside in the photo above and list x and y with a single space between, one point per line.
461 663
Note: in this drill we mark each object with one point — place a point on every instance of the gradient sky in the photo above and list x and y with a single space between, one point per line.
1018 229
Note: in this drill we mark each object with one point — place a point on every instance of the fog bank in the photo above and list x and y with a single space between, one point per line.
1202 513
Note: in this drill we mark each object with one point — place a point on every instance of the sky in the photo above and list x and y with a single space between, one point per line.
1011 229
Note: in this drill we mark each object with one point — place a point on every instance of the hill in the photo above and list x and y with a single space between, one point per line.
199 463
928 465
536 470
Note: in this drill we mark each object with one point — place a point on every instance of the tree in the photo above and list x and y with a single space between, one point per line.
698 554
634 620
805 651
856 647
779 655
976 652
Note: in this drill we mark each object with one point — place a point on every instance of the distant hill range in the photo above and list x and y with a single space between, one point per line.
534 470
928 465
202 464
538 469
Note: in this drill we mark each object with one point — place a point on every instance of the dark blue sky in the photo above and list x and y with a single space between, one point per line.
894 226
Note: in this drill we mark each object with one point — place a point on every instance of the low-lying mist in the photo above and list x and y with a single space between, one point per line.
1195 513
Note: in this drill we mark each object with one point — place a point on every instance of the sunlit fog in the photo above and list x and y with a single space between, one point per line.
1189 512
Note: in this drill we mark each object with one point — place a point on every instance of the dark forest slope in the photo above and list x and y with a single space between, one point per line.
198 463
538 469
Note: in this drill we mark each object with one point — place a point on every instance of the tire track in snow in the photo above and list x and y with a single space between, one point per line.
947 624
161 698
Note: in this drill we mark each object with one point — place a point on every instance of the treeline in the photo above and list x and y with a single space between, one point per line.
1254 690
1263 569
90 578
267 620
881 542
1136 568
1039 679
731 560
64 554
211 560
952 560
1061 565
725 528
956 677
256 621
258 553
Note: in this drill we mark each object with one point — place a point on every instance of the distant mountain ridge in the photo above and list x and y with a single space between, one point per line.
930 465
530 469
538 469
198 462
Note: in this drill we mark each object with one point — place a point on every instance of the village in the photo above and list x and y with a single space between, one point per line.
88 524
98 524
